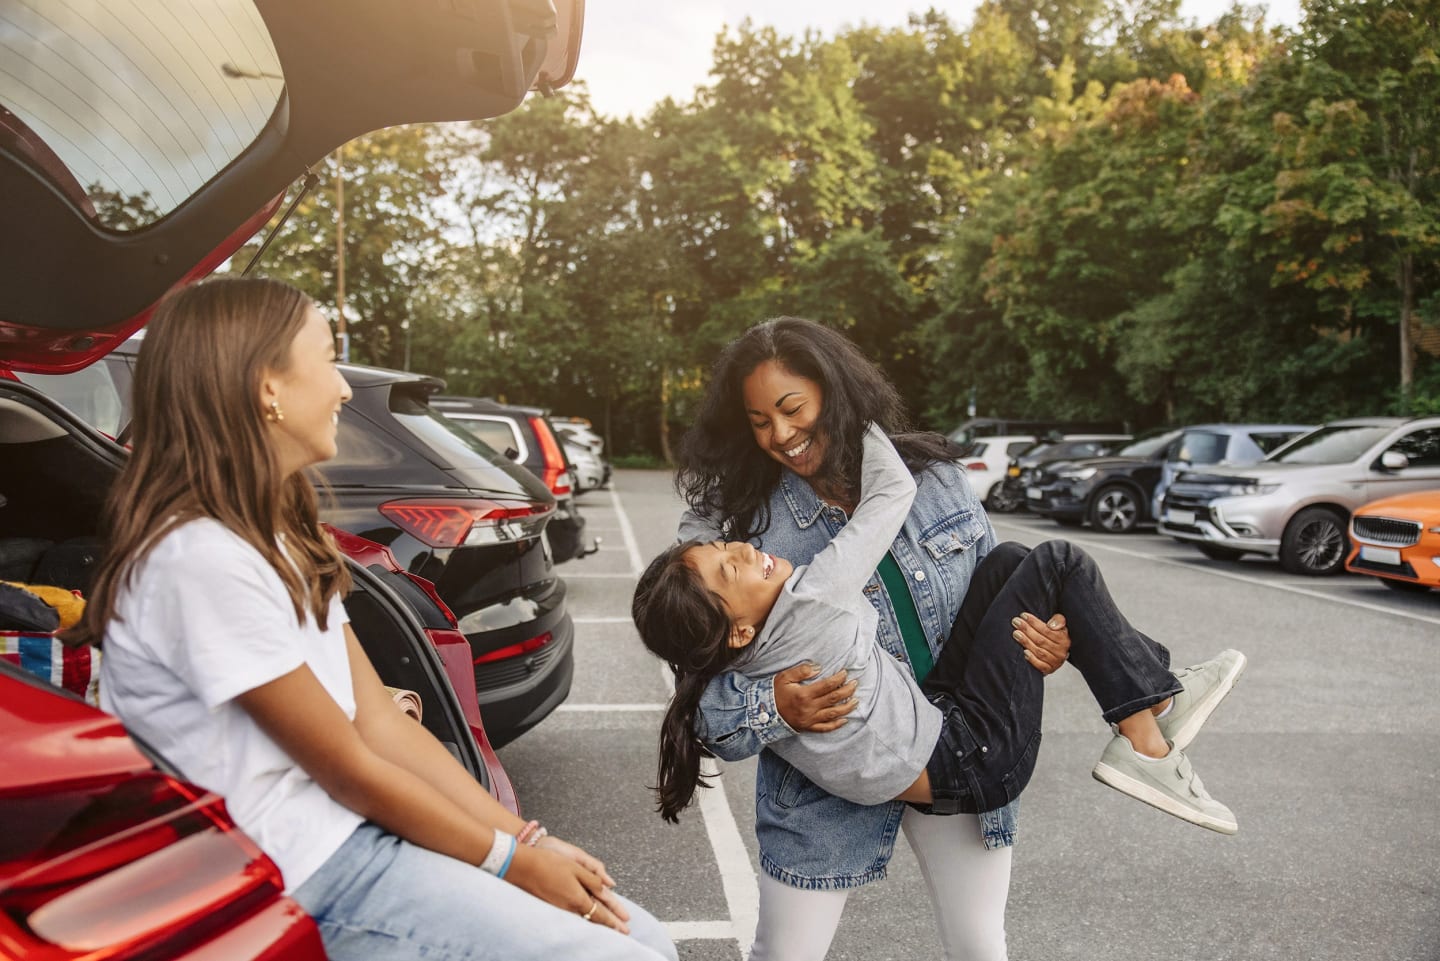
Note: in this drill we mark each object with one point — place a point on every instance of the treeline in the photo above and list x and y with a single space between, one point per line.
1064 208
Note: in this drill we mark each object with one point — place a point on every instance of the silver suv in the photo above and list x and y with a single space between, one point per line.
1296 504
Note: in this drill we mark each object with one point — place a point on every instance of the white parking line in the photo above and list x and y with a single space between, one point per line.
737 877
1231 575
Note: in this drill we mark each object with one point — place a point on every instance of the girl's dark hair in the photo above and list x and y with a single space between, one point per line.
724 474
683 623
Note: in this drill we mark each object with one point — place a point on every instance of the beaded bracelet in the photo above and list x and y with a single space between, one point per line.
531 834
497 862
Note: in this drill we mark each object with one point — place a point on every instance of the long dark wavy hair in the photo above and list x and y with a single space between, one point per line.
683 623
724 474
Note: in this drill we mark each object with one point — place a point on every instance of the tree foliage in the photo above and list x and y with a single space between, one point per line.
1090 209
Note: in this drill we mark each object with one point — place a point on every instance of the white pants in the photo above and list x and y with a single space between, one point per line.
968 889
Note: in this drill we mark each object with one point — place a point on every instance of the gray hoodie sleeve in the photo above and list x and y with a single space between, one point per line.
848 562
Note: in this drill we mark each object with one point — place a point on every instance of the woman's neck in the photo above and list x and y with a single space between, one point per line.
835 494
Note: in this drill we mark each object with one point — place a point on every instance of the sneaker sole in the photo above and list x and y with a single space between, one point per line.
1205 708
1141 791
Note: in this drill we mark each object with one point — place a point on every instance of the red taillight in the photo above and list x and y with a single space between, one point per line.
120 870
451 523
515 650
976 465
557 475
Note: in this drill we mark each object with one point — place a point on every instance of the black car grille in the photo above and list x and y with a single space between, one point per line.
1386 530
1194 499
513 670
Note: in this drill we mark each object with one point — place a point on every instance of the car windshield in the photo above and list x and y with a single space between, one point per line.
1202 447
1337 444
1148 447
128 118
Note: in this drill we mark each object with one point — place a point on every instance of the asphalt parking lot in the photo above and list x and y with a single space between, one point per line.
1327 751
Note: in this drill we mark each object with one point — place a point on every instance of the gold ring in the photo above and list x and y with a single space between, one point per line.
594 903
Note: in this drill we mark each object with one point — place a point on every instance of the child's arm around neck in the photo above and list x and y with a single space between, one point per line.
887 490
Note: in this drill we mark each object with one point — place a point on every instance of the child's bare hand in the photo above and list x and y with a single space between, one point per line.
816 706
1046 644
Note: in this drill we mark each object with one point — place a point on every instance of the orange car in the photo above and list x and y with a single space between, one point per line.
1397 539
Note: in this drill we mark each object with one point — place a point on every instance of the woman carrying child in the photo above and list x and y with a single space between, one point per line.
227 648
775 460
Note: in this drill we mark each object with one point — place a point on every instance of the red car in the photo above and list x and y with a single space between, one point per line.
140 147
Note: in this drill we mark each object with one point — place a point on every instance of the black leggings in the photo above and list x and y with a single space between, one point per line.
991 695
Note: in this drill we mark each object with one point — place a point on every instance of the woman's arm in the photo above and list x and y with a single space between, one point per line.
421 798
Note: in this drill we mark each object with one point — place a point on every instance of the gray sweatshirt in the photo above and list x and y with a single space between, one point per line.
822 615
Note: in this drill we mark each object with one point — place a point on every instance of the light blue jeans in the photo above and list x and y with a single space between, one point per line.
379 898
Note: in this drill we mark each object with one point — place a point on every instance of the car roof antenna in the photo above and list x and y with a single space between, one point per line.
307 183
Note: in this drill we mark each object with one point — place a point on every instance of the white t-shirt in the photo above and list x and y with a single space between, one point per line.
206 619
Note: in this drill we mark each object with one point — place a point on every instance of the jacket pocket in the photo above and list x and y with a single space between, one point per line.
954 534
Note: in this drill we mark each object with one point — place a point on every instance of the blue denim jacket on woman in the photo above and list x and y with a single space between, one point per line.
809 838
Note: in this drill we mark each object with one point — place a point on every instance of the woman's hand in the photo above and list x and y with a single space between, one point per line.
579 855
817 707
568 884
1047 644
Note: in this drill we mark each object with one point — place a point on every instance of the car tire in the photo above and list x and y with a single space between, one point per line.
1314 543
1216 553
1405 587
1001 501
1115 509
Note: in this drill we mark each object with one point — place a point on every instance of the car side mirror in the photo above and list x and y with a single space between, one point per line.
1394 460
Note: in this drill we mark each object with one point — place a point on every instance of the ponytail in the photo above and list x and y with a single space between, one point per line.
680 750
685 625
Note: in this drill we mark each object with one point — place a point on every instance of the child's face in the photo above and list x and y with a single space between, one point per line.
748 581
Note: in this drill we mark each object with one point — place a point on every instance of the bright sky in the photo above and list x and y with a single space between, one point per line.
636 52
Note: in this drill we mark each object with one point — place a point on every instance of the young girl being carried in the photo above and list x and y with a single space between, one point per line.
968 741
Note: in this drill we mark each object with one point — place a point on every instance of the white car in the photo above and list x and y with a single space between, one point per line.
987 460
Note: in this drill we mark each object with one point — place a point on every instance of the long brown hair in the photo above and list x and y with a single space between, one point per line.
200 449
683 623
724 474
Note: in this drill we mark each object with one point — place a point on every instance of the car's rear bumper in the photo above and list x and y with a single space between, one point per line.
518 692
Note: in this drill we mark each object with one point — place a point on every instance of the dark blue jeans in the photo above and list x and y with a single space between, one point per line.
991 696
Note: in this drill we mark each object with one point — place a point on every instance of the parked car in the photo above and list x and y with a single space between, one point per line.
968 431
591 473
1296 504
986 461
449 508
1112 493
1397 540
1023 469
576 432
1238 444
118 185
526 436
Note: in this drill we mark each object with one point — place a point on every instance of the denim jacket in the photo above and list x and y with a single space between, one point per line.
809 838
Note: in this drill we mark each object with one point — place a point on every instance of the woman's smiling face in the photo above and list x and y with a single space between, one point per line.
784 410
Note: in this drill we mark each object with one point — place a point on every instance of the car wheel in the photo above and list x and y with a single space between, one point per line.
1219 553
1314 543
1002 501
1115 510
1405 587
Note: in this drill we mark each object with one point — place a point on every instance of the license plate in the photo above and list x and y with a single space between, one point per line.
1033 493
1183 518
1380 555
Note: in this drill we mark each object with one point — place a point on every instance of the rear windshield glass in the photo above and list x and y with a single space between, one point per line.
98 394
1330 445
129 108
440 432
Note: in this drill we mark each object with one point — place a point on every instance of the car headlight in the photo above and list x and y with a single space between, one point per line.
1252 489
1084 473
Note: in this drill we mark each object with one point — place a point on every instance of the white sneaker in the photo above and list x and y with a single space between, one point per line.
1168 783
